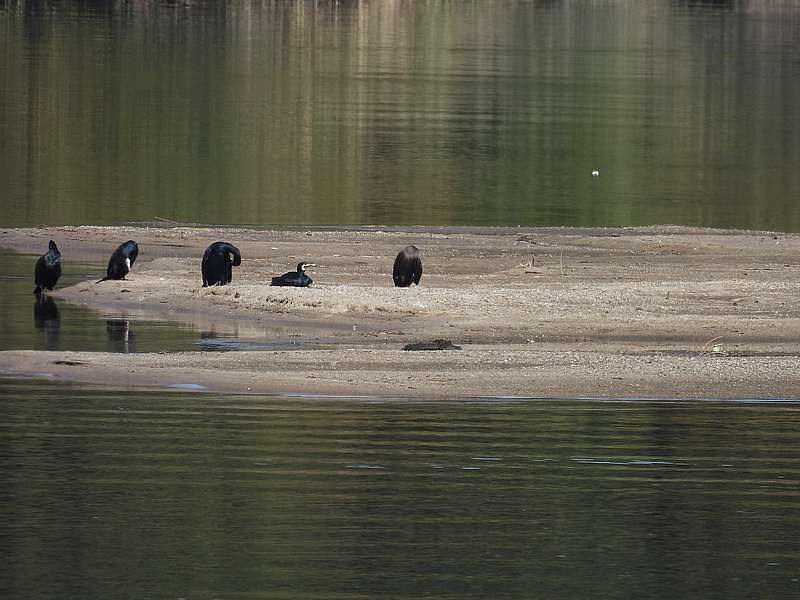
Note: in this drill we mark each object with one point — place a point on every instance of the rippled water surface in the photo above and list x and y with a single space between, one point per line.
177 495
400 112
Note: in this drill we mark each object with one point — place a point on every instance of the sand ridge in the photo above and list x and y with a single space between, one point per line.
656 312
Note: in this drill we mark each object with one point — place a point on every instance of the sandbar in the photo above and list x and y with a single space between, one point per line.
652 312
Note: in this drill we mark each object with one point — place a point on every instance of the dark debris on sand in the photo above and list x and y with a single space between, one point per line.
432 345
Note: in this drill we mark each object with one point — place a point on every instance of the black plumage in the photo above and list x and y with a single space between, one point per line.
407 267
48 269
121 261
218 262
296 278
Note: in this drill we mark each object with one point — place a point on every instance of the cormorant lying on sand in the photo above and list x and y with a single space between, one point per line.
218 262
295 278
121 261
407 267
48 269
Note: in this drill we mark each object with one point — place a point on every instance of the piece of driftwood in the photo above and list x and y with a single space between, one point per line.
432 345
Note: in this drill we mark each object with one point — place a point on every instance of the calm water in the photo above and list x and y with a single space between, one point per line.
399 112
390 112
51 324
118 495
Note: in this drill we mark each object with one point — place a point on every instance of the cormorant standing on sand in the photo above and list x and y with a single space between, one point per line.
48 269
295 278
218 262
121 261
407 267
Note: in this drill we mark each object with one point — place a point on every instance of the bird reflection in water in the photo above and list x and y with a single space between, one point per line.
120 335
47 320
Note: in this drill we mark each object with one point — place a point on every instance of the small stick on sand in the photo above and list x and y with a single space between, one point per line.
707 347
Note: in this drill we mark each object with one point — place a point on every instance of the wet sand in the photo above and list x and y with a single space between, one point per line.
648 312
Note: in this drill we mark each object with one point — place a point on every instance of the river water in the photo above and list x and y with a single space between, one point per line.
390 112
398 112
177 495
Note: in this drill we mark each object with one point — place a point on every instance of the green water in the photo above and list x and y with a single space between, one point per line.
390 112
46 323
175 495
428 112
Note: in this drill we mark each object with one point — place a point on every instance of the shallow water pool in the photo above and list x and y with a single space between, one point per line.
47 323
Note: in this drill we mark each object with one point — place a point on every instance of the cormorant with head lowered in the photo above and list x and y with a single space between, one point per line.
296 278
121 261
48 269
218 262
407 267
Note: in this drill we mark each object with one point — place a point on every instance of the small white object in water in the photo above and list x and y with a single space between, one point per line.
595 173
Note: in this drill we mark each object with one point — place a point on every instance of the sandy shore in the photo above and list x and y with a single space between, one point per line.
657 312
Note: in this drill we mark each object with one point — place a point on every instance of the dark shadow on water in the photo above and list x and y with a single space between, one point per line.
121 336
47 320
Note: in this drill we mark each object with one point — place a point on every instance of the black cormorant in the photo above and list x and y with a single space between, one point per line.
218 262
407 267
48 269
121 261
295 278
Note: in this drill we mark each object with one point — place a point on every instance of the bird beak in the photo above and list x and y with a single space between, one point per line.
310 265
